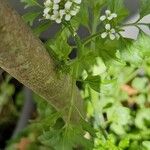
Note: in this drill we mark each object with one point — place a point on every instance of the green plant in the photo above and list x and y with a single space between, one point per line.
108 65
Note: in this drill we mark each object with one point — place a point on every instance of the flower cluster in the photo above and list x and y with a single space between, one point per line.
59 10
108 15
109 31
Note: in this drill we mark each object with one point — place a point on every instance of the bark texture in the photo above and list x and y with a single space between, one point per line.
24 57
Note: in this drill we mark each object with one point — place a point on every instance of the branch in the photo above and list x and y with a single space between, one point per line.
24 57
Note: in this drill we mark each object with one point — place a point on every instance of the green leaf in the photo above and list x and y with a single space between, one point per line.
139 83
82 18
65 139
87 127
118 6
88 60
124 143
144 7
30 17
146 144
142 119
42 27
93 82
59 45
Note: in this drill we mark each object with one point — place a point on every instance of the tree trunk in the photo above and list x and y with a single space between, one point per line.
24 57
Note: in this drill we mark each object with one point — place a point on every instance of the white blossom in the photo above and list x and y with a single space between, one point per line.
108 15
59 10
111 32
57 16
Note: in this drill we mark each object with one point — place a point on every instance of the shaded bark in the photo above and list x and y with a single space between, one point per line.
24 57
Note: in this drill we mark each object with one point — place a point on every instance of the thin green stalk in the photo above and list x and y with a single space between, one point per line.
91 37
77 39
72 100
38 4
75 70
93 31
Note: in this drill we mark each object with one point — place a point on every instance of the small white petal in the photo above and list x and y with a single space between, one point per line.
117 36
55 12
46 10
107 12
47 3
58 20
112 36
55 6
104 35
107 27
68 4
61 12
56 1
102 18
77 1
110 18
67 17
73 12
114 15
112 30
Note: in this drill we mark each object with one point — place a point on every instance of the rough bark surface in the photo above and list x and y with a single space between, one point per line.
25 58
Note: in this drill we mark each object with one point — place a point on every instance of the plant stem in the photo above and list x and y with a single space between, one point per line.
93 31
72 100
38 4
88 39
75 70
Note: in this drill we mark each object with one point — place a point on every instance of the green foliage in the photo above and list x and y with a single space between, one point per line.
114 76
42 27
118 7
93 82
144 7
6 91
30 17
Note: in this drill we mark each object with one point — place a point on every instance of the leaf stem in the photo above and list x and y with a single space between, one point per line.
88 39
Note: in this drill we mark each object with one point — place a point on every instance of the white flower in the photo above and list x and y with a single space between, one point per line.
46 10
59 10
57 16
48 3
108 15
51 5
68 4
110 32
70 10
